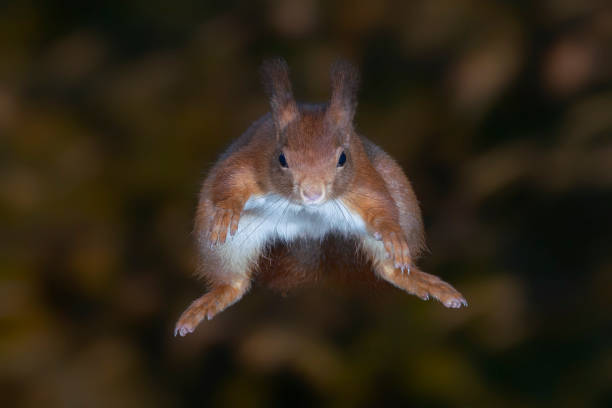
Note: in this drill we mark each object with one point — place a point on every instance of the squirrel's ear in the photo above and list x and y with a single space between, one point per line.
344 84
275 78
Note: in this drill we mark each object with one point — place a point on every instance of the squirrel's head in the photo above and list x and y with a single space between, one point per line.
312 162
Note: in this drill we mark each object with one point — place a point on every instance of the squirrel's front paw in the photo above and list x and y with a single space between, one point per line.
222 220
397 249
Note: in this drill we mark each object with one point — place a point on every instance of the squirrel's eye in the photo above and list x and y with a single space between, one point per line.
282 160
342 159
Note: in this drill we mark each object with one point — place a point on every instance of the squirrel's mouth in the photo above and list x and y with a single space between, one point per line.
312 204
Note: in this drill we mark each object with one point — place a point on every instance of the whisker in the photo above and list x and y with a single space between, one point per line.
348 200
369 197
265 217
354 203
337 205
281 218
256 219
343 207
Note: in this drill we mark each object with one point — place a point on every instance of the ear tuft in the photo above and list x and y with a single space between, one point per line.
275 78
344 84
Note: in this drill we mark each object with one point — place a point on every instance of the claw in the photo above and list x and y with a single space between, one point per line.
406 269
455 303
182 331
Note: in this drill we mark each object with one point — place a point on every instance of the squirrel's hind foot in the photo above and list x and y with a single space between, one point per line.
208 305
424 286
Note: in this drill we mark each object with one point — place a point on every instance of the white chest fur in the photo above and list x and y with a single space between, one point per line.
276 217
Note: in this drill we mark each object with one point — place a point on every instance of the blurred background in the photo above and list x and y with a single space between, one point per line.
499 111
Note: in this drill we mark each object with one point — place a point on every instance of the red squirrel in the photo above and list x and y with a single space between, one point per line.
302 180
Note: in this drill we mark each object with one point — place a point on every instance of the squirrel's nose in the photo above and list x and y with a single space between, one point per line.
312 194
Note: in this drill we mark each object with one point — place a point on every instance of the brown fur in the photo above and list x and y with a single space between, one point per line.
311 138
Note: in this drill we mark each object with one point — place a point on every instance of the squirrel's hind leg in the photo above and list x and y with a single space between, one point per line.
414 281
423 285
207 306
227 268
